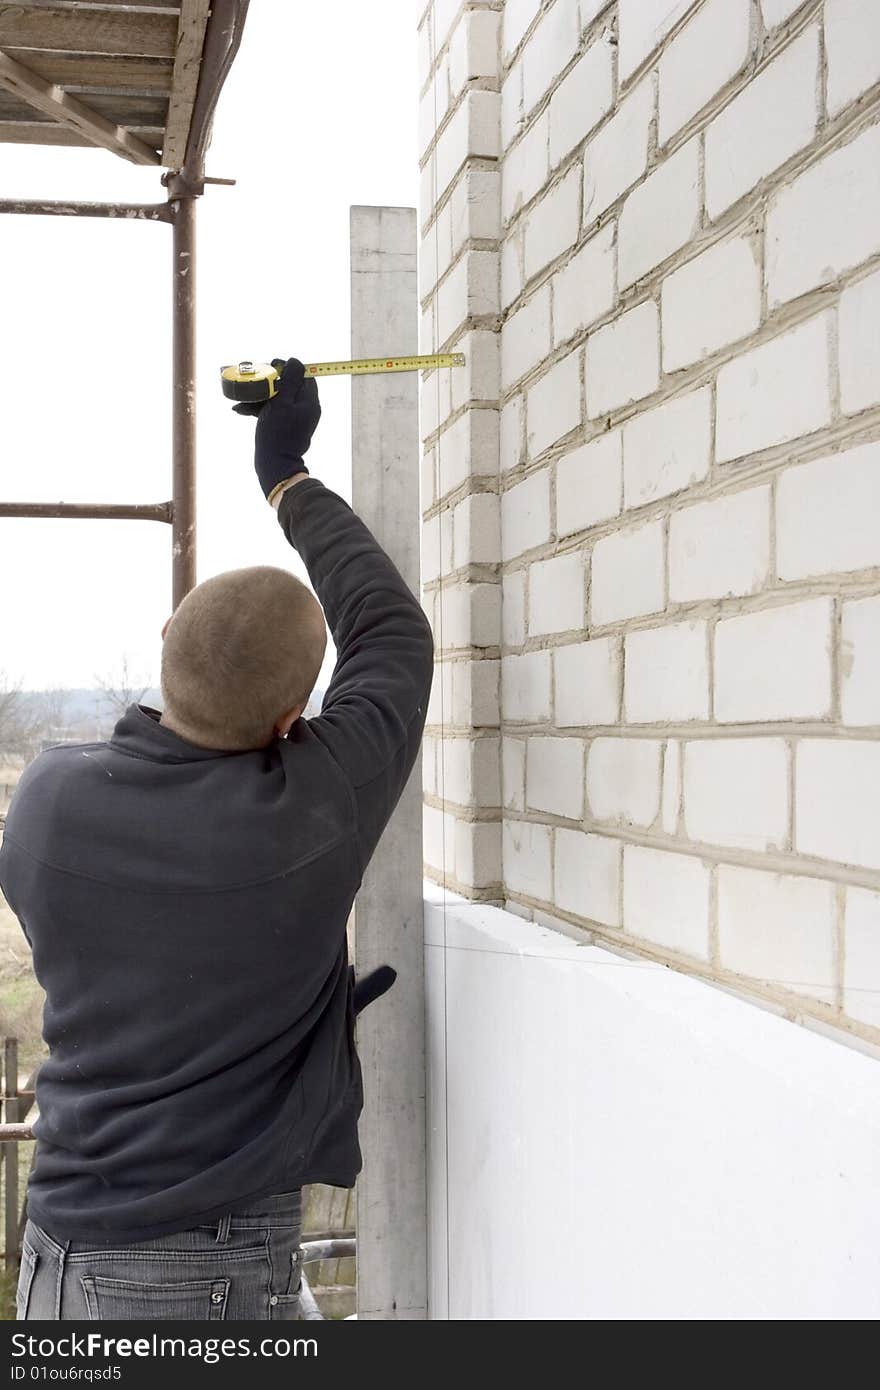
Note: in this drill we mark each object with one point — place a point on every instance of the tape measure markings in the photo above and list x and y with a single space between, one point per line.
364 365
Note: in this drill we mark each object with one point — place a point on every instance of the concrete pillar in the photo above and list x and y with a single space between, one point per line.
391 1219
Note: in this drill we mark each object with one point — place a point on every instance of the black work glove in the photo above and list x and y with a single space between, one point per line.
372 986
285 425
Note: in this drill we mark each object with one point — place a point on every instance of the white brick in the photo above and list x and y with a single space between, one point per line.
736 792
776 392
775 11
666 899
643 25
838 800
429 765
623 360
713 300
473 49
513 774
428 494
478 853
667 674
438 838
471 615
556 594
478 380
525 687
525 167
669 812
618 154
513 608
518 15
583 290
550 47
623 780
512 451
471 771
588 876
555 776
826 221
828 514
431 550
511 105
552 225
720 548
470 290
512 278
527 859
468 449
473 131
860 661
588 484
859 345
667 449
525 337
587 683
475 206
707 53
525 515
861 980
475 693
627 577
581 99
477 531
772 118
774 664
660 215
553 405
445 13
779 929
852 48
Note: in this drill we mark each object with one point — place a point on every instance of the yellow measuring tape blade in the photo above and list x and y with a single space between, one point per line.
363 366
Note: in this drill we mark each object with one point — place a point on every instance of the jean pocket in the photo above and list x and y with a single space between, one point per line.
118 1300
29 1260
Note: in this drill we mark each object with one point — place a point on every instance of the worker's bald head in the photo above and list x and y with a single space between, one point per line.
242 650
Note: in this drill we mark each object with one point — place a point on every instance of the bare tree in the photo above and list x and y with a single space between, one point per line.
125 690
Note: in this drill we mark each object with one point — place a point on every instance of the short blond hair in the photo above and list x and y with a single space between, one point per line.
242 650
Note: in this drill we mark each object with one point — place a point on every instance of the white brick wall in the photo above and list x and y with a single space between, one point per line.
778 928
589 484
774 664
828 514
660 215
623 780
587 679
770 120
656 237
588 876
711 301
668 448
667 674
860 662
627 574
555 776
666 900
556 595
710 49
775 392
736 792
859 345
720 548
623 360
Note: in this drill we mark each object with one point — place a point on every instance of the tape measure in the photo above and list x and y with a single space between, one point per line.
258 381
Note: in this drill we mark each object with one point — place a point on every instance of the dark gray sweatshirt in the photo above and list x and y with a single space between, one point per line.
186 909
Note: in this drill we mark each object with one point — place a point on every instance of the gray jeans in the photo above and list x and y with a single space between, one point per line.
246 1266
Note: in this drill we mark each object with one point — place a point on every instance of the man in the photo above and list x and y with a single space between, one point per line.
185 890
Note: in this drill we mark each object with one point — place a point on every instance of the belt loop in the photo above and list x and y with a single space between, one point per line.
223 1228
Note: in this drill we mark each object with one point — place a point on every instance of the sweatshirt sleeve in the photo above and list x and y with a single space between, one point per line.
375 707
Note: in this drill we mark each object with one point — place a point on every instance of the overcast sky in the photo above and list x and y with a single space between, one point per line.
318 113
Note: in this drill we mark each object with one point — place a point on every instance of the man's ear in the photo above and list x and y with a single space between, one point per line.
165 628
